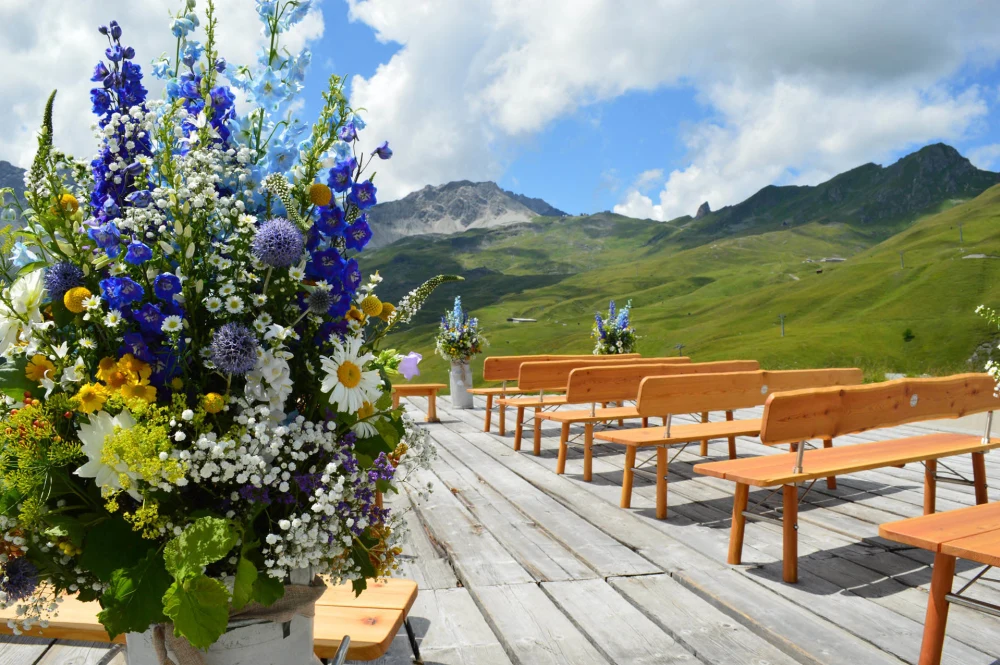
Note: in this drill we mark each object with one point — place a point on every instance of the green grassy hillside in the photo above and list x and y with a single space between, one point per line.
720 299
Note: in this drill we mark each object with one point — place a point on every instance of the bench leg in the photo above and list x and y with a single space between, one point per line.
942 577
645 421
930 486
831 481
732 439
704 442
563 438
739 525
790 534
502 418
588 452
489 413
432 409
538 433
395 400
626 501
661 483
979 477
518 427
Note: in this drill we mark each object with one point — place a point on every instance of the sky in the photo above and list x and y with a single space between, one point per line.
644 107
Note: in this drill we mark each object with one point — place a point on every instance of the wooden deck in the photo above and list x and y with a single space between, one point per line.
518 565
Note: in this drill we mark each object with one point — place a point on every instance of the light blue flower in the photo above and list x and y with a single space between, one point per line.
21 255
342 150
298 65
295 13
358 121
181 27
269 90
161 68
192 52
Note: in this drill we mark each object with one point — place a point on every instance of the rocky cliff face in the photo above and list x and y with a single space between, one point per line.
453 208
703 210
11 176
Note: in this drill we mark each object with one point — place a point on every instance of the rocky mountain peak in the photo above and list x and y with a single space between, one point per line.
703 210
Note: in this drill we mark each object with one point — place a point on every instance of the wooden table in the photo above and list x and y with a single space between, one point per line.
968 533
371 619
428 390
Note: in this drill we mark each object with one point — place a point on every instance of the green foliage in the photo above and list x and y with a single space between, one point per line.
908 335
110 546
134 599
267 590
206 541
246 578
13 381
199 608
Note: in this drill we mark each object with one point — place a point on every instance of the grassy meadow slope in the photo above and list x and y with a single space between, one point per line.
720 299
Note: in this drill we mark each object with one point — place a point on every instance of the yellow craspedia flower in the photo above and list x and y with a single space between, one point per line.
68 203
371 306
37 367
73 299
91 397
213 402
320 194
177 383
387 311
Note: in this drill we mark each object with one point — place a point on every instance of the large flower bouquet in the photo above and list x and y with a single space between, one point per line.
459 338
615 334
194 400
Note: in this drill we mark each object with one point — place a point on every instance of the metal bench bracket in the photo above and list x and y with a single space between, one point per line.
979 605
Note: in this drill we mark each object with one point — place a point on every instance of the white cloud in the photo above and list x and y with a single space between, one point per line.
986 156
475 78
54 44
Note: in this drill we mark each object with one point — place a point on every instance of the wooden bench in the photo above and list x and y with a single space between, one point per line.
619 383
553 377
428 390
694 393
827 413
968 533
371 620
505 369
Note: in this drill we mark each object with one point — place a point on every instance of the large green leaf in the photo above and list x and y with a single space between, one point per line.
199 608
13 382
246 577
134 599
205 541
65 526
111 545
267 590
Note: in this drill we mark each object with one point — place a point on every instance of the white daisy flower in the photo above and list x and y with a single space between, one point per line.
113 318
90 303
234 304
172 324
297 273
213 304
348 384
227 290
259 300
87 343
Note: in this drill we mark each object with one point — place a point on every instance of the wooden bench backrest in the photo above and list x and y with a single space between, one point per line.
825 413
691 393
505 368
619 382
555 375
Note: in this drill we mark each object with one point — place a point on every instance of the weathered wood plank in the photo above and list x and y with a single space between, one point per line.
619 630
449 628
67 652
701 628
422 561
22 650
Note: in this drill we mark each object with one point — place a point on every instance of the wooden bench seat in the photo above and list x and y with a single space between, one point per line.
371 620
428 390
505 369
693 393
968 533
826 413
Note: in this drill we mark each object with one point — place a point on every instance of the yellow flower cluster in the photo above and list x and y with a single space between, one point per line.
128 376
138 450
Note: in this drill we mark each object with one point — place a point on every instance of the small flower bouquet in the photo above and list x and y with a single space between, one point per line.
615 334
194 405
459 338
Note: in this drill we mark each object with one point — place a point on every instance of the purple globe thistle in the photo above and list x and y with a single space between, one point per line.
20 577
319 301
278 243
62 277
234 349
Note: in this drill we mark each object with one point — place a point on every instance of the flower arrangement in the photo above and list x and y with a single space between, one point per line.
615 334
194 402
459 338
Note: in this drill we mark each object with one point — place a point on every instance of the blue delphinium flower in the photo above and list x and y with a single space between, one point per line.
352 275
383 151
20 577
342 174
358 234
611 310
121 291
347 132
138 253
278 243
269 89
62 277
363 194
107 237
326 264
234 349
166 286
21 256
331 220
600 325
136 344
193 50
150 318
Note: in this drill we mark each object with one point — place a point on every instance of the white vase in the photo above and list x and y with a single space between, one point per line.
461 381
252 642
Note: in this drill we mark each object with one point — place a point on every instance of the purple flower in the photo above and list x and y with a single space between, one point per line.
348 132
138 253
352 275
331 220
20 577
363 194
119 291
319 301
408 365
278 243
135 344
150 318
234 349
358 234
107 238
341 175
166 286
327 264
62 277
383 151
